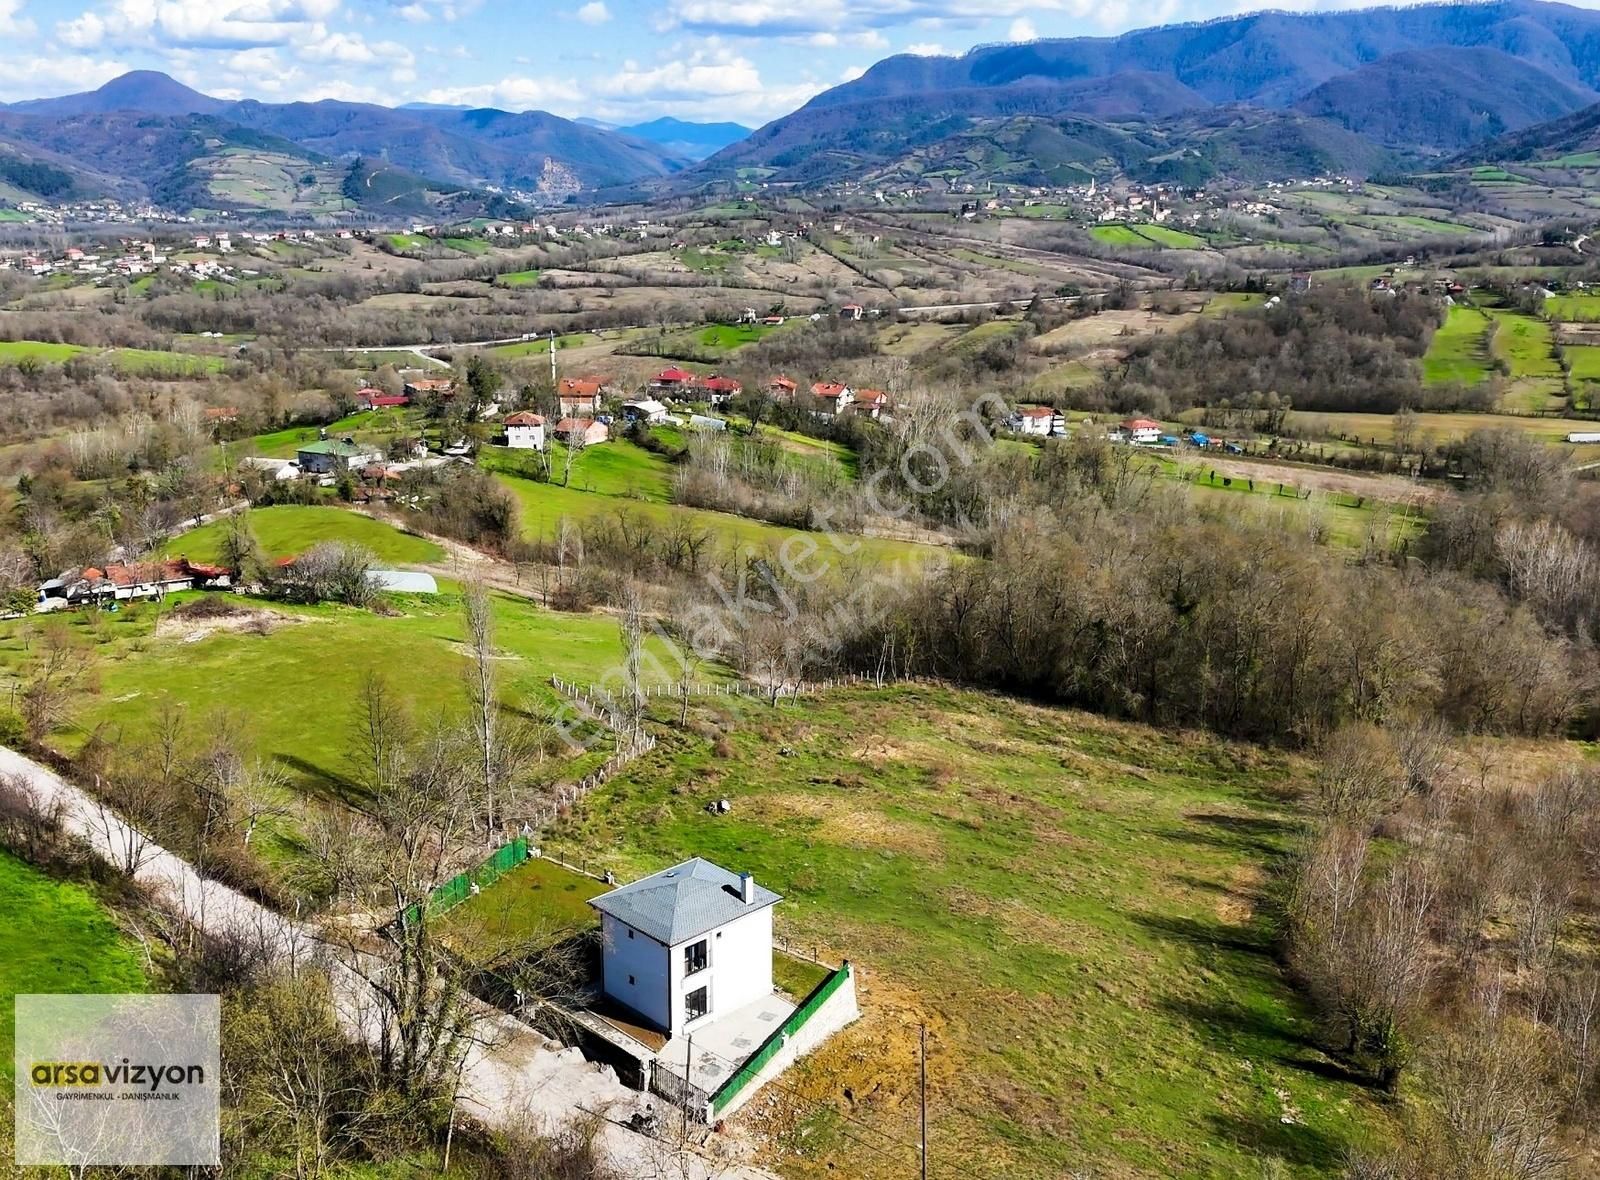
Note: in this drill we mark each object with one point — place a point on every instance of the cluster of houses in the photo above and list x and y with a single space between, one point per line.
1048 422
128 581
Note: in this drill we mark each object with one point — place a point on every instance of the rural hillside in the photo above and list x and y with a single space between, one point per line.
1035 618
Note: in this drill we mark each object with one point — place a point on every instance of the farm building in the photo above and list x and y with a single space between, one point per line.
525 431
781 387
123 582
376 399
330 456
644 410
585 431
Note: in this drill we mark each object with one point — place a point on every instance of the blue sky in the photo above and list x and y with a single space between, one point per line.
621 60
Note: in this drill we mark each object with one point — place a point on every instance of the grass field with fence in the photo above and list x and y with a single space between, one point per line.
1071 904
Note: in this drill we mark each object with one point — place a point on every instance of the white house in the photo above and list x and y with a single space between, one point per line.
525 431
687 944
1033 420
1142 430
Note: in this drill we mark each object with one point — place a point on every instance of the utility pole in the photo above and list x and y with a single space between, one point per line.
924 1030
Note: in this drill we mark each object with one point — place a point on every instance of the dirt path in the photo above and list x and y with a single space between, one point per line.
511 1074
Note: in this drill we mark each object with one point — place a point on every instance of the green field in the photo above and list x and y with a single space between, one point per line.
126 360
1527 347
291 529
55 936
619 468
404 242
1459 352
297 678
537 901
1106 1001
365 425
1578 309
1585 361
517 278
545 505
1145 237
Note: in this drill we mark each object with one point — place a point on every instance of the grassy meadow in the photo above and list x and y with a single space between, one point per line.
55 936
1107 997
1459 351
290 529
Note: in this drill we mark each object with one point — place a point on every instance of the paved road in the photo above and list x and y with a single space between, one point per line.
511 1074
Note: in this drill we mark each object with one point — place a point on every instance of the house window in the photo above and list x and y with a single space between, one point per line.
630 981
697 1004
630 934
695 957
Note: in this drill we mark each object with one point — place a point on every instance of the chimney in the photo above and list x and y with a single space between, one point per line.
747 888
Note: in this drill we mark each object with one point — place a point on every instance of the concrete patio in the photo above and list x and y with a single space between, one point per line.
725 1044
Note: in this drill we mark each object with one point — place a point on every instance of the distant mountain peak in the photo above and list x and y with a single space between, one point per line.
148 91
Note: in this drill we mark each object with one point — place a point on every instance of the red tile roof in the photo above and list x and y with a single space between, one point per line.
380 400
722 385
673 376
827 389
1141 424
524 418
782 383
1038 412
579 386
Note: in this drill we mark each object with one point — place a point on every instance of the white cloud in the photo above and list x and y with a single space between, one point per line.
927 49
12 22
30 77
1022 30
851 73
594 13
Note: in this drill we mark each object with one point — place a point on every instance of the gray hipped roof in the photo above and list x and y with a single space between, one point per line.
682 902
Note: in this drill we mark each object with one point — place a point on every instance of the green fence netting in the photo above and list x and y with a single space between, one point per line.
769 1048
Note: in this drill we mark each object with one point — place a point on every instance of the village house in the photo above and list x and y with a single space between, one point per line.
782 388
851 311
672 381
1040 420
124 582
832 398
525 431
686 945
375 399
421 387
331 456
719 390
585 431
687 991
579 395
869 403
1142 431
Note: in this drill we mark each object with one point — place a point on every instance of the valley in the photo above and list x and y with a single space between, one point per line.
1020 613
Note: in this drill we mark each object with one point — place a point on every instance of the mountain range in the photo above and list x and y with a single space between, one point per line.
1271 93
145 134
1265 96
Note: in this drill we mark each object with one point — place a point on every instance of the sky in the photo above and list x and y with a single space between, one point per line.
622 61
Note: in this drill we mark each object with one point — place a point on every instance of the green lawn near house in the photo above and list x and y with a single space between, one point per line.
55 936
1076 908
539 901
289 529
